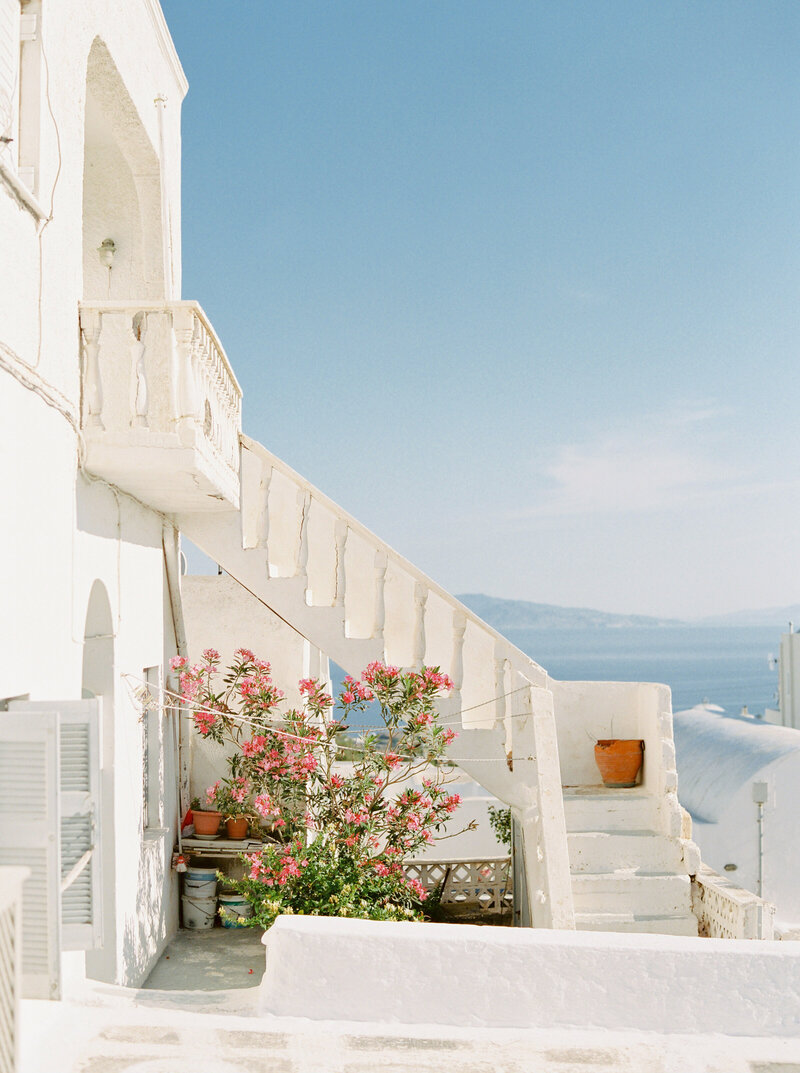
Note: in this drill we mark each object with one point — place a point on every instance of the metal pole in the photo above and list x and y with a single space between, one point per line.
760 795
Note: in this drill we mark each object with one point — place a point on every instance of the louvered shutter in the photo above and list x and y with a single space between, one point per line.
29 836
9 76
81 901
80 815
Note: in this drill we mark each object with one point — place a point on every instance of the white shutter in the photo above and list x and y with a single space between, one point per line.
81 901
9 76
29 817
80 815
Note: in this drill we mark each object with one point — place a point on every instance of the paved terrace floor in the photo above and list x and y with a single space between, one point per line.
196 1015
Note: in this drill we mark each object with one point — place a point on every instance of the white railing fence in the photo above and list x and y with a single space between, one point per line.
725 911
11 880
483 883
159 366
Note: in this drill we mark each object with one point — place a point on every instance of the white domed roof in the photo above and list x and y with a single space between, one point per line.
717 754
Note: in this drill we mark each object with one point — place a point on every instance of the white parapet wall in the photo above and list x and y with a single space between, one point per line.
454 974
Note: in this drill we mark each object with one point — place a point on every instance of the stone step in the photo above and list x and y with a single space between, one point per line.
608 851
679 924
596 808
631 893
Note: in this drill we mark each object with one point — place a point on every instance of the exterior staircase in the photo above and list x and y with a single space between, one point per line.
623 866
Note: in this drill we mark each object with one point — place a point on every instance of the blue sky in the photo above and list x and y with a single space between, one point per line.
515 283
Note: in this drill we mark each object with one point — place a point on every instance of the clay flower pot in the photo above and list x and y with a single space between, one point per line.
237 828
206 823
619 760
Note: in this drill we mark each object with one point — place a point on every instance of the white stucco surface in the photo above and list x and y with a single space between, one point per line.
68 538
718 754
427 974
719 759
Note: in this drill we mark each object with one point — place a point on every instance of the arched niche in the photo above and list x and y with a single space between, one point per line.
121 190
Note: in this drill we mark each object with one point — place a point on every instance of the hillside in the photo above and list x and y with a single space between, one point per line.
522 614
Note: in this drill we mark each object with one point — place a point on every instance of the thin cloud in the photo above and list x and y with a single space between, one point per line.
662 463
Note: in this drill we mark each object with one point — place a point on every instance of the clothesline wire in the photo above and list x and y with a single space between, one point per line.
145 687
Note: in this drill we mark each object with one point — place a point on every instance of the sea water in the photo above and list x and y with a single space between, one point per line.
728 666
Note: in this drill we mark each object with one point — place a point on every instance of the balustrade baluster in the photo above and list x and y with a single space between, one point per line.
457 662
381 562
138 399
91 322
420 600
304 503
341 530
184 328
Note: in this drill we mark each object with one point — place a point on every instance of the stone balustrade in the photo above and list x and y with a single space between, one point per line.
483 883
161 405
725 911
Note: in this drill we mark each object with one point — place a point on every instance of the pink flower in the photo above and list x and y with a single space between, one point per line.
264 805
418 889
210 655
245 655
392 760
177 663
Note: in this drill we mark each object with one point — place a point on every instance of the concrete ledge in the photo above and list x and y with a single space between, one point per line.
454 974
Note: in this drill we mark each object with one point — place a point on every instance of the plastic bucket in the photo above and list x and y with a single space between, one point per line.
198 913
231 907
200 882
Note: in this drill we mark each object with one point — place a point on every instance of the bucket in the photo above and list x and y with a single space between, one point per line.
231 907
200 882
198 913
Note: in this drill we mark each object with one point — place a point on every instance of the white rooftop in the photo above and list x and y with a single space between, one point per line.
719 753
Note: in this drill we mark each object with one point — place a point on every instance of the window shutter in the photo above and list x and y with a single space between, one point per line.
9 75
29 826
80 817
81 898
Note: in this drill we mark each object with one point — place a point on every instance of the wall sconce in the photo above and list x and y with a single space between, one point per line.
106 251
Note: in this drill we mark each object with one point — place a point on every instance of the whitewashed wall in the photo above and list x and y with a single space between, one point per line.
219 613
61 534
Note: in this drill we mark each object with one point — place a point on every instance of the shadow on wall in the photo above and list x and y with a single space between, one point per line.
154 922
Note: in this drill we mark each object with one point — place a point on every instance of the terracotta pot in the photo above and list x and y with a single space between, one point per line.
619 760
206 823
237 828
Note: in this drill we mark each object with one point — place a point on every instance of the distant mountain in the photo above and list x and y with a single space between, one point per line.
522 615
778 617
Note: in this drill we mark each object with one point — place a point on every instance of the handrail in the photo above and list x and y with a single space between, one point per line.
258 449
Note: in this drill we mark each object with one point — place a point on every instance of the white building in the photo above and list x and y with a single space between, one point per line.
725 763
121 429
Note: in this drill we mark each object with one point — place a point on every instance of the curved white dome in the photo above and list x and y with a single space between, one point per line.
718 754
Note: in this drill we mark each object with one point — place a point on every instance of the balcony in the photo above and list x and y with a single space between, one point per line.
162 410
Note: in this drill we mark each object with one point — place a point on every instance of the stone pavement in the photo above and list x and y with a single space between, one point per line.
180 1023
173 1032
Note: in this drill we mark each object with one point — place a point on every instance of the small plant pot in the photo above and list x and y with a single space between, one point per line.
237 828
619 760
206 823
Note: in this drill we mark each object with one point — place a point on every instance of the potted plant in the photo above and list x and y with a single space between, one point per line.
232 798
619 761
206 819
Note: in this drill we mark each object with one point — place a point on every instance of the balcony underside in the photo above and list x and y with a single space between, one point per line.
165 471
